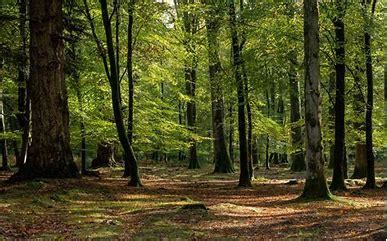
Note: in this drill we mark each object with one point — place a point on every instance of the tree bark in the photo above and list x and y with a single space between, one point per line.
370 183
244 177
222 159
50 154
129 66
114 80
315 184
339 157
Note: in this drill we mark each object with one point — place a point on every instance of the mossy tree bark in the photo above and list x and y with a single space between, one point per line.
315 185
222 159
50 154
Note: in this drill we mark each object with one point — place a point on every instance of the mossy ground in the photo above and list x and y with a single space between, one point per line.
107 208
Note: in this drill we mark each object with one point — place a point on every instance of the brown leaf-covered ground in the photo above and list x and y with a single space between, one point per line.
106 208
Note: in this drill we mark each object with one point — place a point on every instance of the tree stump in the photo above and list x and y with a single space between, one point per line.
105 156
360 170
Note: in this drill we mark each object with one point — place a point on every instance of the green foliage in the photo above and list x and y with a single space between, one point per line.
272 30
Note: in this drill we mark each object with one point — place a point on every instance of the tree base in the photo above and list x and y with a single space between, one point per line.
90 173
224 169
316 188
194 164
29 172
134 183
370 185
338 186
245 184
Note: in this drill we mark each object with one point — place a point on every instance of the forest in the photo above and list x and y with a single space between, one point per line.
192 119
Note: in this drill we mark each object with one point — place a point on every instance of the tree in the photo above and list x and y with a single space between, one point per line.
244 177
315 185
339 154
370 183
114 81
50 154
190 22
129 67
222 159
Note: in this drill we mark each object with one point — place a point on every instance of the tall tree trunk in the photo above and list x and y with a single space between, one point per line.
242 41
190 23
129 66
249 129
339 157
222 159
370 96
116 100
244 177
3 142
315 185
23 115
50 154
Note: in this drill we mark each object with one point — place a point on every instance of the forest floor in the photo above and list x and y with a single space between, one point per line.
107 208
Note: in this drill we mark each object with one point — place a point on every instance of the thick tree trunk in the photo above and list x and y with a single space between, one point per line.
339 157
244 177
50 154
315 185
222 159
129 66
116 100
370 99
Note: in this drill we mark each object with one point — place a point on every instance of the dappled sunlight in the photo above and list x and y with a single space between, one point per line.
105 208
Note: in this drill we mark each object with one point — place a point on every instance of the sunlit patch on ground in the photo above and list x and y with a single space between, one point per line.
106 208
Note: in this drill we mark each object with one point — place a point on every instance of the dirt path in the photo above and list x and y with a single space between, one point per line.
107 208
